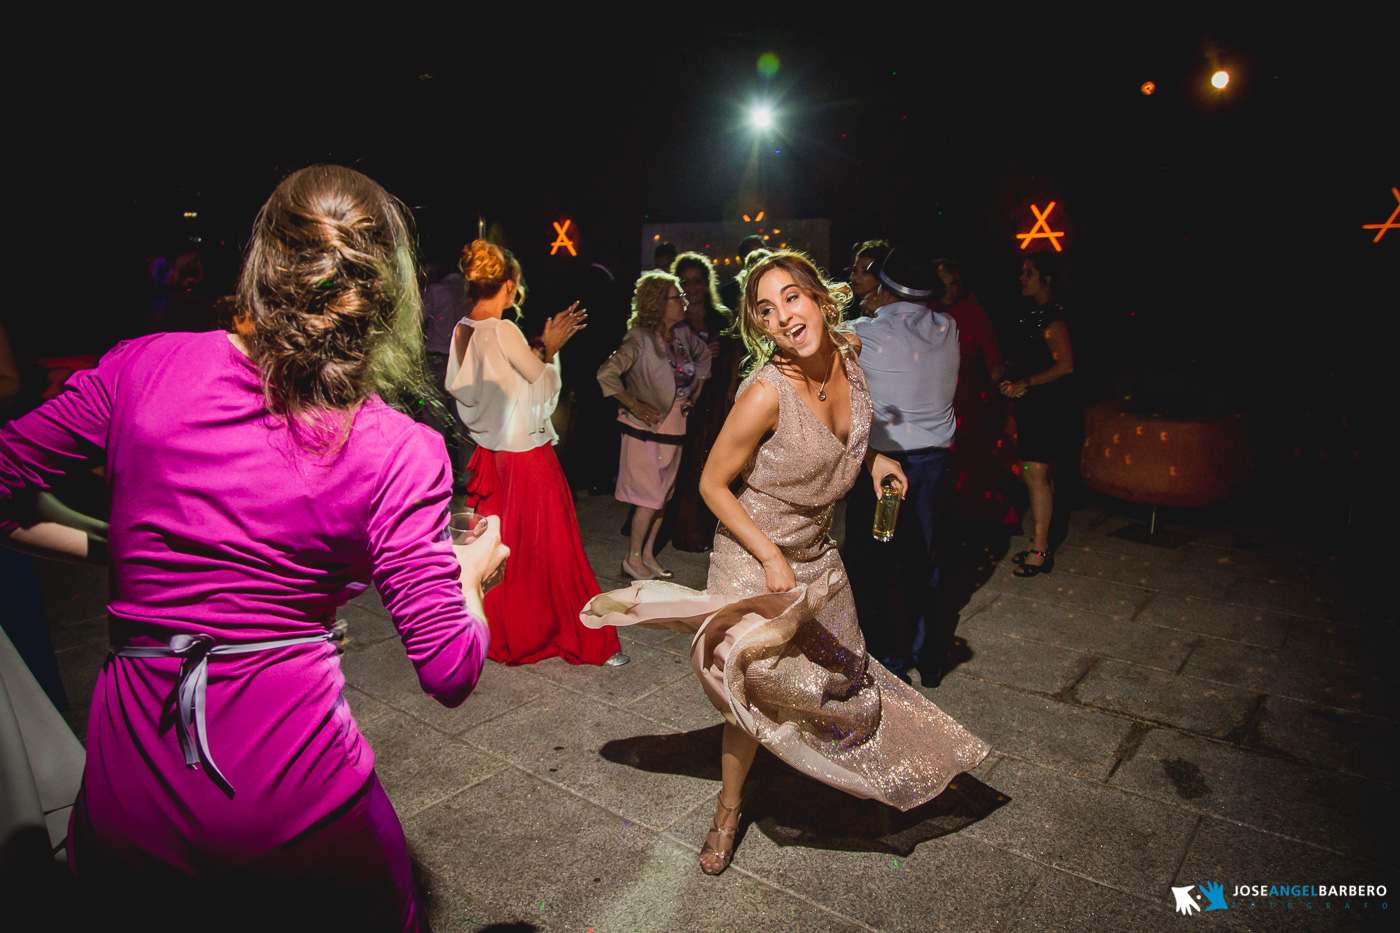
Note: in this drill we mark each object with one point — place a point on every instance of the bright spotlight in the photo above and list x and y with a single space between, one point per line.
1220 78
762 116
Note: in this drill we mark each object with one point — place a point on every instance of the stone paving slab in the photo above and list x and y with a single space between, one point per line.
1330 738
1119 600
1212 709
1080 630
680 705
1030 665
562 739
1080 742
1151 573
1122 840
1340 641
560 863
1283 673
1062 902
619 685
1298 600
417 765
1217 619
1332 810
384 672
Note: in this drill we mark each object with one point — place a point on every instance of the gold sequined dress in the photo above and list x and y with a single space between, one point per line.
791 668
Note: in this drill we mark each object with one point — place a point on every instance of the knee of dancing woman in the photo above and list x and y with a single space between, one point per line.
259 480
506 394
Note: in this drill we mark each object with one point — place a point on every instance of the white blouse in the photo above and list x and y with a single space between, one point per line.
505 393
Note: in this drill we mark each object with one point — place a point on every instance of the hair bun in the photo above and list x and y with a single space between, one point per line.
483 262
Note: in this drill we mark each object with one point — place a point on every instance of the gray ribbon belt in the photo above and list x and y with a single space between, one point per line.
194 652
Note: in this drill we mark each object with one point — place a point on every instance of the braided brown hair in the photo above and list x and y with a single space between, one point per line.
329 290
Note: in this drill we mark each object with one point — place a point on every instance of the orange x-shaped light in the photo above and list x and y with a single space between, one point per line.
1389 224
562 239
1041 224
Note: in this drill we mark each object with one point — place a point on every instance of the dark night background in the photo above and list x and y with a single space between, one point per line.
1214 238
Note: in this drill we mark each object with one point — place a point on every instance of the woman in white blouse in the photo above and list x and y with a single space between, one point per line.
505 395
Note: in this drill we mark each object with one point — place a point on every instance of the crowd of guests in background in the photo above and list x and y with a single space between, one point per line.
292 480
966 420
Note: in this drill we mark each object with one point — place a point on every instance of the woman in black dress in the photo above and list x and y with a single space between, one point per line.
1041 358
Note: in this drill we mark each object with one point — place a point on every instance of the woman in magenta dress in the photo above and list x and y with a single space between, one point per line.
258 481
505 395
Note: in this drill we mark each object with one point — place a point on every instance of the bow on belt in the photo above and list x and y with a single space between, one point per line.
194 652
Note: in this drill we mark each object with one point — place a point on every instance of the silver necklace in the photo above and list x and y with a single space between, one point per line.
821 393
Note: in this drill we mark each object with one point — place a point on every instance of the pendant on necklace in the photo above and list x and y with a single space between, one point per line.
821 396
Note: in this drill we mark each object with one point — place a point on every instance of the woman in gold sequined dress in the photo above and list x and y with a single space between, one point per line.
777 647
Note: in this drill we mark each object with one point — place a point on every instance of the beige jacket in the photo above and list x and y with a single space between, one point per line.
642 367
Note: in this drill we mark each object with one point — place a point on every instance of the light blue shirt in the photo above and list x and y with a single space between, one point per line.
910 357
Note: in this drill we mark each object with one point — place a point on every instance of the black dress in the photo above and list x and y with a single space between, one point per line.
1045 415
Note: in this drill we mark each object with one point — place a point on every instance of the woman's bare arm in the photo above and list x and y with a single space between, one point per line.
753 417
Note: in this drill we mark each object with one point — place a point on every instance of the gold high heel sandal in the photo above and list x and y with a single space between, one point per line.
717 829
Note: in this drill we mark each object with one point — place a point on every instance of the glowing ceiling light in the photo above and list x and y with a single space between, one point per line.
762 116
1147 88
1220 78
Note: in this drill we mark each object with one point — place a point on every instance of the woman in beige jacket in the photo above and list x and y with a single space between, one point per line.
654 375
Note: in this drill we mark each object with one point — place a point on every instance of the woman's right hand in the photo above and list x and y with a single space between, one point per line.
777 573
644 413
482 560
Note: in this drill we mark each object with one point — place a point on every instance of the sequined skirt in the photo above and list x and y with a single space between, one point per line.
791 670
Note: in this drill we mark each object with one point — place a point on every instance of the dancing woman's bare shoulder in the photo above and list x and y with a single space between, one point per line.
753 417
853 339
756 409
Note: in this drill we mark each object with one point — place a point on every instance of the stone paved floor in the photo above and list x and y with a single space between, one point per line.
1221 711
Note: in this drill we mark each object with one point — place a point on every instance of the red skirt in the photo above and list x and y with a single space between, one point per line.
533 612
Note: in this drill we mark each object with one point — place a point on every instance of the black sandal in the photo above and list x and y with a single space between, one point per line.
1020 557
1030 570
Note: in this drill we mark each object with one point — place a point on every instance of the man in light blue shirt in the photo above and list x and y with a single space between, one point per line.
909 352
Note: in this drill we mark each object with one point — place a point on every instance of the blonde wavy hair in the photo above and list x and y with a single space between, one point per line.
830 296
649 299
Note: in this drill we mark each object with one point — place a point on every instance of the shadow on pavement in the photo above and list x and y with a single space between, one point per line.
792 809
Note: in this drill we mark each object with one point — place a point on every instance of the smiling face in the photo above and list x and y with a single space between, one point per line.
790 316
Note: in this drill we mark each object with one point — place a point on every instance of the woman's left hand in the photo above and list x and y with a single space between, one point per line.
882 467
1014 389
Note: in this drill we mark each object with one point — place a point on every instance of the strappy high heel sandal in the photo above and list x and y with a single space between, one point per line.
1020 557
1030 570
717 829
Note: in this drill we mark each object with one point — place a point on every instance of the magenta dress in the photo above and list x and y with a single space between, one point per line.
223 527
